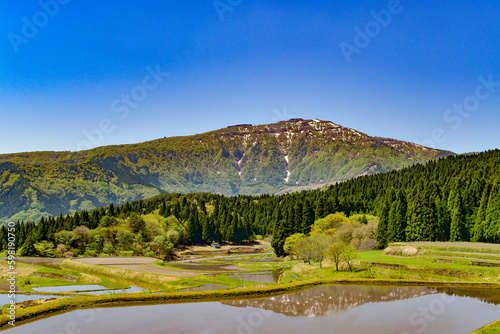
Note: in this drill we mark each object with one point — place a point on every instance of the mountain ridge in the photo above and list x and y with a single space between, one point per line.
239 159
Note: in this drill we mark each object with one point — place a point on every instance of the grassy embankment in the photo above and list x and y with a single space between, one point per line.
493 328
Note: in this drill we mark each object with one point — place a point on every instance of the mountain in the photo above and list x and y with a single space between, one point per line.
240 159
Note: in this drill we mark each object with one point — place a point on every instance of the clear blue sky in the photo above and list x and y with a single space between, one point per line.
247 62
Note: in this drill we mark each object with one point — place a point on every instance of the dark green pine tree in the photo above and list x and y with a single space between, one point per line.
333 204
492 231
278 233
480 226
111 210
457 231
444 220
381 234
216 219
197 230
28 248
76 220
240 233
297 224
307 218
231 227
290 220
321 207
186 212
397 219
176 210
416 218
4 236
205 226
430 223
42 233
190 227
163 210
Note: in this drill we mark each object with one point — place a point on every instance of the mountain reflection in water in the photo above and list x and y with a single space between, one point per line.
328 299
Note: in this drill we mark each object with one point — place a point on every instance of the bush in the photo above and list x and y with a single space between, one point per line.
90 253
368 244
291 241
173 237
108 248
60 250
136 223
82 237
329 224
45 249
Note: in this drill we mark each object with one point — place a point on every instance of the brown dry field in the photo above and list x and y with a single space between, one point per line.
257 246
198 268
6 287
157 270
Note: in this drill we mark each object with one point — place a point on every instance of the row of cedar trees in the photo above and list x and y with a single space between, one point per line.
452 199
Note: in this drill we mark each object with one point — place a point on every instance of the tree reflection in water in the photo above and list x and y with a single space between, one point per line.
328 299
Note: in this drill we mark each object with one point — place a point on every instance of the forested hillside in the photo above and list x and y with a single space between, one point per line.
456 199
243 159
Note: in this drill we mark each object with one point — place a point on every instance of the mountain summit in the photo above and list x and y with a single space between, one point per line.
241 159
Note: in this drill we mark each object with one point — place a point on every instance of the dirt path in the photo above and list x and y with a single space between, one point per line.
213 267
117 260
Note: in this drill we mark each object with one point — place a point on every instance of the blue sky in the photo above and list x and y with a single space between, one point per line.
77 74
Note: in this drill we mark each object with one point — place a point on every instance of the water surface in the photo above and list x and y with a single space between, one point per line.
4 298
324 309
70 288
259 277
92 289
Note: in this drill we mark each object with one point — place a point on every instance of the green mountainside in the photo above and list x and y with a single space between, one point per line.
242 159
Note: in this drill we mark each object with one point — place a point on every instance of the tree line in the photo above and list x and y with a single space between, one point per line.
451 199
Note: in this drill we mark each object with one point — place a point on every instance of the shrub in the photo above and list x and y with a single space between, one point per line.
368 244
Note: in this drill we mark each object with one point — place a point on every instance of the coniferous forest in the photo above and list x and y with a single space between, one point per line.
450 199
